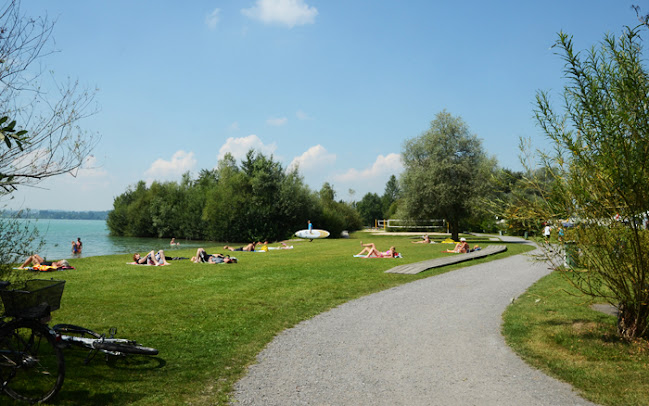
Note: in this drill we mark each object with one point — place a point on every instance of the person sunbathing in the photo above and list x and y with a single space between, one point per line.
152 258
461 247
372 252
426 240
203 257
250 247
36 260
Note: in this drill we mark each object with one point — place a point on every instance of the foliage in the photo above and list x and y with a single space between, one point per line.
518 196
600 169
17 239
55 144
40 135
255 201
336 217
446 172
370 208
390 197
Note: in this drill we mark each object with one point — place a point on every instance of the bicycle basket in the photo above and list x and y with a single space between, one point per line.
33 295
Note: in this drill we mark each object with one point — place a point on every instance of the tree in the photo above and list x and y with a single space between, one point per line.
370 208
446 171
390 196
600 171
48 109
39 119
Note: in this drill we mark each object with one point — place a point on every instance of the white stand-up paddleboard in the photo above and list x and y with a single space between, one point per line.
312 234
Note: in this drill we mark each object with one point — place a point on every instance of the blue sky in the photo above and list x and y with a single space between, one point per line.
336 86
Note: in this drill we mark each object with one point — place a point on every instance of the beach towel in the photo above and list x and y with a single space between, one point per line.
45 268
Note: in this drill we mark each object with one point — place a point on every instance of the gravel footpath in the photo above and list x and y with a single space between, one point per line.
435 341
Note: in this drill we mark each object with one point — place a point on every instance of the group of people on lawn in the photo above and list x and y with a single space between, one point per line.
370 250
159 259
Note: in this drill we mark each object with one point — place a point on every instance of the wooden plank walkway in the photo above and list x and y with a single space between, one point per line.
418 267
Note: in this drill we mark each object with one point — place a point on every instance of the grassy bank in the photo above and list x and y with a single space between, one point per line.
210 321
556 330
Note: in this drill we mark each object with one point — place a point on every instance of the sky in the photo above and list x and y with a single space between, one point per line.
333 86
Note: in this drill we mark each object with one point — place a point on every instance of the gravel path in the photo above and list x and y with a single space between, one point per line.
435 341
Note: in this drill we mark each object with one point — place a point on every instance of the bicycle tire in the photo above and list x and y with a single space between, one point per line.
126 348
32 367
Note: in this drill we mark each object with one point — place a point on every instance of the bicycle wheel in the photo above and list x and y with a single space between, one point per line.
31 364
125 348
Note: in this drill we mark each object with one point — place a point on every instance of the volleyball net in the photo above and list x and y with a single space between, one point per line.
438 225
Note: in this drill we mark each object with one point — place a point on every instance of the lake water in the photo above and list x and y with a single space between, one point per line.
58 235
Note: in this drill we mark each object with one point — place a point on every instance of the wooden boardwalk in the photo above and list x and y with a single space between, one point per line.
418 267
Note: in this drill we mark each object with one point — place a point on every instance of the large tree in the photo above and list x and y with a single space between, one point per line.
600 171
47 111
40 134
446 171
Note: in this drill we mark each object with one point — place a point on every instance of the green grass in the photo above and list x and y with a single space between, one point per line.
210 321
555 329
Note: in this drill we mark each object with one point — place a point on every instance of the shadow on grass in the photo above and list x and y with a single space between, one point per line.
84 397
136 362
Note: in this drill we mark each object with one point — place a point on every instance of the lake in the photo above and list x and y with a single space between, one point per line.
59 234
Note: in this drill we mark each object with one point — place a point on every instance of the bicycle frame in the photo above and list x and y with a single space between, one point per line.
93 343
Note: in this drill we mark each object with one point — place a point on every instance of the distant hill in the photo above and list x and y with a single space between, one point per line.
59 214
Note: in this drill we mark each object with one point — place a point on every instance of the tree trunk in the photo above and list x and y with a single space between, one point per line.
454 226
631 321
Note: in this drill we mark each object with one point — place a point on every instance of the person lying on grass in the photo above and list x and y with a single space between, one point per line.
202 256
36 260
250 247
426 240
152 258
372 252
461 247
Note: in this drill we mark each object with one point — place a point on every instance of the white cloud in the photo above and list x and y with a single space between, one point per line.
369 180
383 166
234 126
302 115
314 158
90 188
35 160
239 147
162 170
284 12
90 169
212 19
276 122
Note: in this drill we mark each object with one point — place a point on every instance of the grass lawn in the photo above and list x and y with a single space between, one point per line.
554 329
210 321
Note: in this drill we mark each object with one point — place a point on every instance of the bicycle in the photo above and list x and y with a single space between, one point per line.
72 335
32 365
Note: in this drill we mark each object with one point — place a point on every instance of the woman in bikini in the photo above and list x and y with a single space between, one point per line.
371 251
36 260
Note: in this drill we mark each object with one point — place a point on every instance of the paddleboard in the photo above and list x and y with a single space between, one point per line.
313 234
